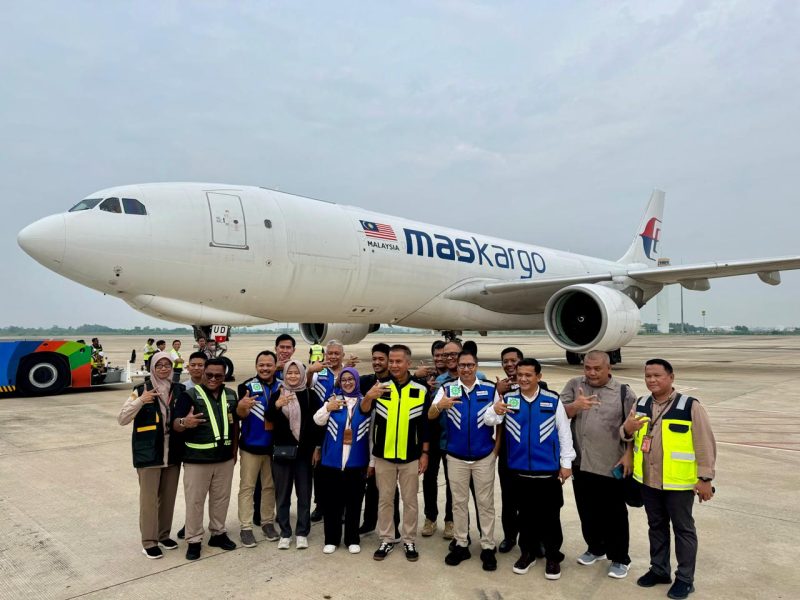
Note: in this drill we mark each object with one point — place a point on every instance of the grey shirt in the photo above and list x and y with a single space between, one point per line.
595 432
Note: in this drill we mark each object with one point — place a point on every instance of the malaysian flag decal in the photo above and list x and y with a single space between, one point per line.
379 231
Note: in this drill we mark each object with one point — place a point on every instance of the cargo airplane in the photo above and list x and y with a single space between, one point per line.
206 254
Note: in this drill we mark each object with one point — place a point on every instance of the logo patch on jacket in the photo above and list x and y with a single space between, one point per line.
546 404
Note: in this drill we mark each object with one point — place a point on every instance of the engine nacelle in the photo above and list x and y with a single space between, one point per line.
585 317
347 333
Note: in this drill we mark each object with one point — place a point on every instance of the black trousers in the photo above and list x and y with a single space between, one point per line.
509 514
430 486
341 493
662 509
371 506
296 474
541 499
603 513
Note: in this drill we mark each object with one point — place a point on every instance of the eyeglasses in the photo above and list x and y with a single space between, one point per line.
449 354
467 366
213 376
165 366
347 380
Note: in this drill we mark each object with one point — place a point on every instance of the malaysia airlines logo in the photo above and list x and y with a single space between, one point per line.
650 237
379 231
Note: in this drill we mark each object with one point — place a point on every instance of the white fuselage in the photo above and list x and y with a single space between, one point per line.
244 255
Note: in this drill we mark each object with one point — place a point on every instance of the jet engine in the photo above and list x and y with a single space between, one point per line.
585 317
347 333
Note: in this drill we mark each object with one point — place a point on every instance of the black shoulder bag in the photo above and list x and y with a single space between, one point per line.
633 489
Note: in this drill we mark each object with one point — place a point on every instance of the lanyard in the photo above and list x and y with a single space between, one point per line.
654 421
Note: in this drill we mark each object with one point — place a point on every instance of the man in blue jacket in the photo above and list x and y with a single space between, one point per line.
255 450
470 455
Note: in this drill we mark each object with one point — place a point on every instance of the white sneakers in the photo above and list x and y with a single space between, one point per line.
354 548
329 549
284 543
301 542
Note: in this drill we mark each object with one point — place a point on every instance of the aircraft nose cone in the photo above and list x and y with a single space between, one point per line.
45 241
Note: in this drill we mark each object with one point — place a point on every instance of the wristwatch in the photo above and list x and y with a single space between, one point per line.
704 478
180 422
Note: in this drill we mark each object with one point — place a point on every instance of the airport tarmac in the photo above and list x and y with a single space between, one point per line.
69 495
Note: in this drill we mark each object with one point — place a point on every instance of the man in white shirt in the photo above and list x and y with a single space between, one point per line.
540 454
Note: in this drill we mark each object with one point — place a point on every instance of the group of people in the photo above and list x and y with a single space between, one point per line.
205 347
354 440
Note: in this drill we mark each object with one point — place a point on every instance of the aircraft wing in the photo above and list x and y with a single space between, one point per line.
529 296
766 268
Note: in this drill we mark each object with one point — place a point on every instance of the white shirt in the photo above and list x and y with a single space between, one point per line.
322 415
491 418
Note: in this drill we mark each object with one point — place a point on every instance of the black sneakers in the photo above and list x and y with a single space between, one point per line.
316 514
650 579
680 590
222 541
552 570
383 550
182 532
506 545
523 565
193 551
456 555
411 552
168 544
489 560
153 553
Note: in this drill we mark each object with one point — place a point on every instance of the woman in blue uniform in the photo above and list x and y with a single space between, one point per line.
344 460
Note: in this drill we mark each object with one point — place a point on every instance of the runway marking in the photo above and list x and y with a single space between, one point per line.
762 445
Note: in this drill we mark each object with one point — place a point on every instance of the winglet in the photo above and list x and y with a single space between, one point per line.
646 246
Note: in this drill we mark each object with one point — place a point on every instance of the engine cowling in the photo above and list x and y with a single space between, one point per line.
585 317
347 333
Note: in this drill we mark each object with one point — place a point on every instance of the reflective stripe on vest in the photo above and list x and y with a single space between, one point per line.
212 418
398 413
679 463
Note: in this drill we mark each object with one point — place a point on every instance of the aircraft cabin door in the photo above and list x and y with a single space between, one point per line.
227 221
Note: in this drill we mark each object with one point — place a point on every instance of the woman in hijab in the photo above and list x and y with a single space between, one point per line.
295 436
156 453
344 461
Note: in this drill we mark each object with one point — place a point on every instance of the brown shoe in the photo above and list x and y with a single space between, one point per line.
429 528
448 533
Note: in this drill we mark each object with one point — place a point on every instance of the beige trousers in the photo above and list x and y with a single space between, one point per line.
201 480
250 467
387 477
157 489
482 473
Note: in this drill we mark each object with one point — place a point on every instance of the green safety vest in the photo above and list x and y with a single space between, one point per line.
398 421
148 351
680 464
205 442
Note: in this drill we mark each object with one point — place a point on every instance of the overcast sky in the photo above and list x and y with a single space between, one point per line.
542 122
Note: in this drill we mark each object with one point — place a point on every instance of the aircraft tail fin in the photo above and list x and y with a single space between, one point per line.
646 246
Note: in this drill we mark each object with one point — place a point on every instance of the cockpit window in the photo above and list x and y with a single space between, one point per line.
86 204
111 205
133 207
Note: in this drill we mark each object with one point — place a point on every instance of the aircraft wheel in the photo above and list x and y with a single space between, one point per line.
228 368
615 356
43 375
573 358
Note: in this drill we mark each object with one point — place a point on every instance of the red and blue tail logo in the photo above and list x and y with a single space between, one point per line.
650 237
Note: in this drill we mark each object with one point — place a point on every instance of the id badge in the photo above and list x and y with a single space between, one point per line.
646 441
348 437
455 391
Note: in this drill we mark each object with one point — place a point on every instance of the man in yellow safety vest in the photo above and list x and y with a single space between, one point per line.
674 452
